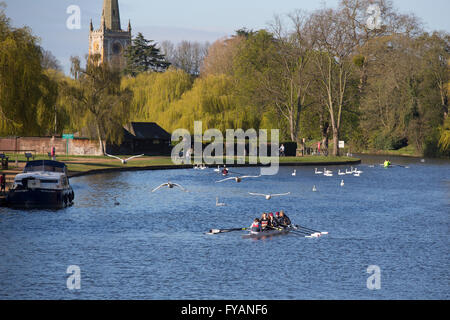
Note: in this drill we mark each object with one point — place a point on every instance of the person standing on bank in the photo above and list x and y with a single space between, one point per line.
3 183
282 154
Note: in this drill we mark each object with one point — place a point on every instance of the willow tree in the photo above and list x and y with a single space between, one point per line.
97 101
27 94
153 93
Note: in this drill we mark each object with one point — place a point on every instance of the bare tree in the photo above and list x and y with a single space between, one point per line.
187 55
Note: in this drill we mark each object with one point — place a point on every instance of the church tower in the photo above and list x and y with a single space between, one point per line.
110 41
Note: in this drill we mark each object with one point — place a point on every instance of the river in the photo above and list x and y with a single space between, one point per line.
153 245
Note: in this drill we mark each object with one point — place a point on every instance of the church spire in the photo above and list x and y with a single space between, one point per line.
111 14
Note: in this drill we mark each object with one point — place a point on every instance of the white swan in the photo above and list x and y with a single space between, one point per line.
170 185
218 204
328 173
318 172
348 172
341 173
314 189
124 161
294 173
238 179
269 196
218 169
342 183
357 175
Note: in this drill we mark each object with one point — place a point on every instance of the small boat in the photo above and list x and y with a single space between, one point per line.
265 234
43 184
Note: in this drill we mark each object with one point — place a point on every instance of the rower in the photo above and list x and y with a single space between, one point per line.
387 164
273 223
225 171
256 226
264 221
284 220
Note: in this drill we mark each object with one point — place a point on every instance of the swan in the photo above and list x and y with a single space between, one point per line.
314 189
170 185
358 171
238 179
348 172
357 175
327 171
269 196
116 203
341 173
318 172
342 183
218 204
200 167
218 169
294 173
124 161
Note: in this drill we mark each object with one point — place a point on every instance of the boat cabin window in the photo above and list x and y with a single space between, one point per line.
49 181
37 168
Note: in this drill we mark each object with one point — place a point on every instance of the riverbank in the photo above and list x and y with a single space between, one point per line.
89 165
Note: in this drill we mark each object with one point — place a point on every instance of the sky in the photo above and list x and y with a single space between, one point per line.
177 20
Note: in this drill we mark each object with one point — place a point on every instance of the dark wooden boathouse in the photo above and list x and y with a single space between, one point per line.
142 138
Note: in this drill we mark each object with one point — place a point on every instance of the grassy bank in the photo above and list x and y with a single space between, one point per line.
80 164
408 151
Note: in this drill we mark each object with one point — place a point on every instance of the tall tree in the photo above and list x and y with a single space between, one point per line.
221 56
27 94
143 55
186 55
97 100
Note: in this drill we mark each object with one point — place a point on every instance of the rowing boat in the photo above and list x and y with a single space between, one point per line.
265 234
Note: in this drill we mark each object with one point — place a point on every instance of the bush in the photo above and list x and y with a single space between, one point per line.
382 141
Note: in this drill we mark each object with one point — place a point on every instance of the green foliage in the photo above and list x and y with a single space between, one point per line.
143 56
153 93
444 139
27 94
405 97
323 77
97 102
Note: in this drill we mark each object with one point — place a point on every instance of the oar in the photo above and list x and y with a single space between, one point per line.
217 231
294 230
306 234
311 230
398 165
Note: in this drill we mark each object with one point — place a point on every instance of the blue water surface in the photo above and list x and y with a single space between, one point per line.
153 245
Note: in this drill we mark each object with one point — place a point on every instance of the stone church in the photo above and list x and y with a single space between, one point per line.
110 41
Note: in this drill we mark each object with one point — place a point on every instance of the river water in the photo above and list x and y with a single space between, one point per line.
153 246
